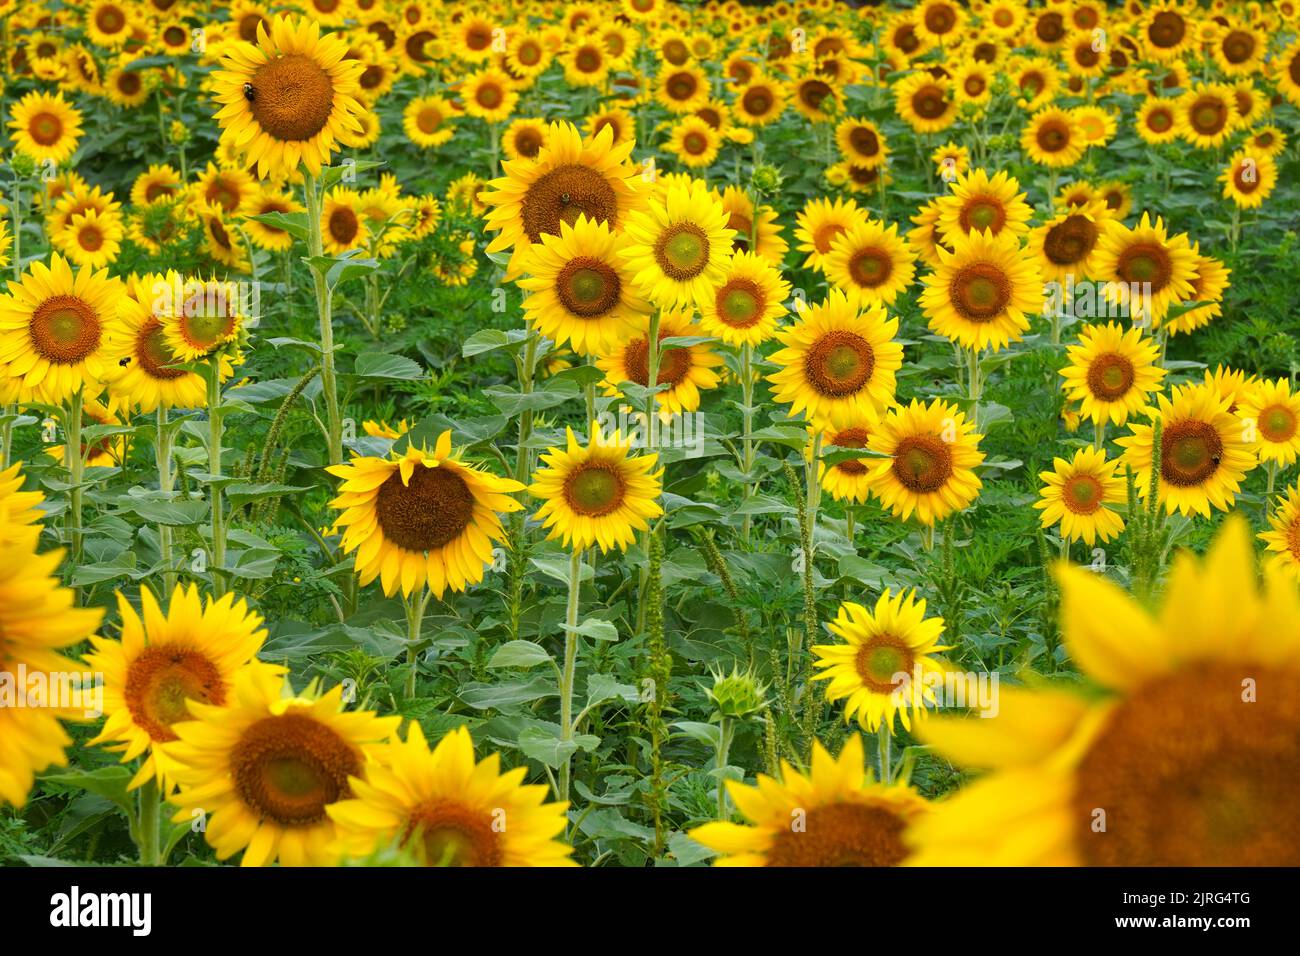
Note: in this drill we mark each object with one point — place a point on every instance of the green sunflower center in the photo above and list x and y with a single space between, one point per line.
153 353
682 251
594 489
1110 377
587 287
922 463
45 128
1277 423
447 833
64 329
1191 452
740 303
839 363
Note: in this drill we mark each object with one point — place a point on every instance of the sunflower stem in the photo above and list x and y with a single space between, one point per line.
723 752
74 460
883 738
747 396
148 832
18 234
325 314
1099 434
976 386
415 607
163 458
215 430
569 668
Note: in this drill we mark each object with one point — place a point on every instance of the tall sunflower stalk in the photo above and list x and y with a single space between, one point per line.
216 432
74 460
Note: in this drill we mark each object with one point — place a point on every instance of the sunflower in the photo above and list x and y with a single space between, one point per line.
820 222
1166 31
126 87
263 768
925 239
860 141
694 142
681 89
940 21
445 808
527 54
158 183
980 203
1097 124
343 224
847 819
686 370
571 176
265 201
755 230
621 124
925 103
1036 80
582 291
524 138
45 127
815 98
1075 495
287 99
678 246
1251 104
52 327
1184 735
1204 452
1053 137
1112 372
846 480
1157 121
162 662
1274 412
91 239
931 453
951 161
199 317
426 121
474 36
1118 198
489 94
973 83
1249 178
1283 537
1144 268
1206 115
1004 17
982 292
587 62
598 494
219 241
421 517
759 102
746 305
870 263
38 619
1082 56
1287 72
1064 245
1208 286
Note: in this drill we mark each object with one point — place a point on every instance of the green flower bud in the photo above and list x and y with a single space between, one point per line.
736 695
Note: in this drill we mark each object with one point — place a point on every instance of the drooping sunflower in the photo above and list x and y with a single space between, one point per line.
1112 372
819 222
880 671
1075 495
1274 412
931 453
287 99
263 768
38 619
427 121
838 363
164 660
679 246
447 809
755 229
1249 178
221 242
686 370
870 263
980 203
1145 269
745 307
1053 137
597 494
582 290
52 327
45 127
571 176
1065 243
423 517
926 104
1204 451
981 294
1283 537
846 480
847 818
1173 752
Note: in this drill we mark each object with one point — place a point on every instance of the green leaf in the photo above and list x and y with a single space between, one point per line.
107 782
244 492
338 269
488 696
520 654
547 748
383 365
595 629
294 223
492 340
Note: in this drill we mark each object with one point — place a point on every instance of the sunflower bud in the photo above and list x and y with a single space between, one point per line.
765 181
23 165
736 695
178 133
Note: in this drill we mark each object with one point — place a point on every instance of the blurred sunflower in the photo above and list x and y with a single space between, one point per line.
1053 138
1274 411
1249 178
426 121
1283 537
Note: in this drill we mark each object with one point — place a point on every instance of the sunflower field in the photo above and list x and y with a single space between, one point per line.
649 433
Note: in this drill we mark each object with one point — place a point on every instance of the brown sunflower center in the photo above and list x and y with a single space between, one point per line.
429 119
1238 46
1085 55
1160 120
478 37
64 329
293 97
1192 771
851 438
429 512
1167 29
594 489
864 141
1145 262
757 101
674 363
288 769
682 252
922 463
129 83
489 95
681 86
162 679
1277 423
1293 538
871 267
825 235
587 287
343 224
1190 453
1070 241
45 128
528 142
1050 27
740 303
1245 176
1082 494
985 212
929 103
839 363
109 19
1208 115
1111 377
156 190
447 833
980 291
563 194
1293 68
974 85
153 353
939 19
813 92
696 144
841 834
1053 135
